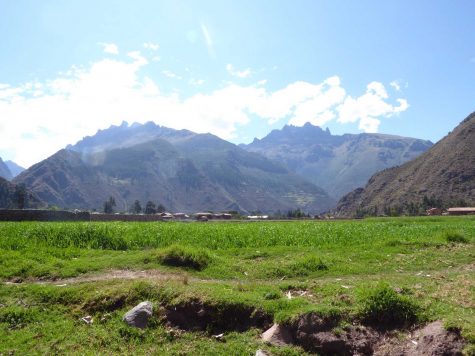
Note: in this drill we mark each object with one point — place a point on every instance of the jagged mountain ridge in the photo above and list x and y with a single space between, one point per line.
15 169
445 173
183 170
5 171
337 163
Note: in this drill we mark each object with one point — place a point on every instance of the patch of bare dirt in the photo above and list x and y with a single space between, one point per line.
430 340
321 335
196 315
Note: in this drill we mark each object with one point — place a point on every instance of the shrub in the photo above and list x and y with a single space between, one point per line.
456 237
16 317
385 307
188 257
308 264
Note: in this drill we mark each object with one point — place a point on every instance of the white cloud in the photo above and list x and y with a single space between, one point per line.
369 108
39 118
110 48
245 73
395 84
196 82
170 74
151 46
208 40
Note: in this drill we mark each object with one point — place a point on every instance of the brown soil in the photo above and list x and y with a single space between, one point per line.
196 315
319 335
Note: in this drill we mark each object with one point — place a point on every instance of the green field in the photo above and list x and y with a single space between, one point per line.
55 273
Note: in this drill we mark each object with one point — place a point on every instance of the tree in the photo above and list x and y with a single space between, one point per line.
150 208
21 196
137 208
161 208
109 206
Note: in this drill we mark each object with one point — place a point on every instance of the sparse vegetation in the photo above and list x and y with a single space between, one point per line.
386 308
262 271
456 237
179 256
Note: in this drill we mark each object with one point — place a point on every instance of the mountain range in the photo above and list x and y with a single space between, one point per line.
441 177
337 163
9 169
180 169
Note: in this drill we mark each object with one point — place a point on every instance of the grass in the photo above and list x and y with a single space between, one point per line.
332 268
180 256
384 306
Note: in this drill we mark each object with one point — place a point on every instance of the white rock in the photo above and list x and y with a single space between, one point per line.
138 316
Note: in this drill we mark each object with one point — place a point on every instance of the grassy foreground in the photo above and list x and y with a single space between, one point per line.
55 273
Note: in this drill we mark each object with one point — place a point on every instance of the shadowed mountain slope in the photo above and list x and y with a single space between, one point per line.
180 169
444 175
336 163
5 171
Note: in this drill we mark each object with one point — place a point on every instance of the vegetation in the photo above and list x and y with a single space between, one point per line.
180 256
58 273
383 306
109 206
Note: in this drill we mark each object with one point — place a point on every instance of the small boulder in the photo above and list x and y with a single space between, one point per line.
262 353
277 335
138 316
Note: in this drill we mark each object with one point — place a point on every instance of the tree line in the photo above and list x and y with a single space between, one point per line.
136 208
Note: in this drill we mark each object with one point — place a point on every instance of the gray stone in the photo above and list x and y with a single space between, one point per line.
262 353
277 335
138 316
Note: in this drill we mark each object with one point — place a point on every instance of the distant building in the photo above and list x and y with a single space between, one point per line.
461 211
258 217
181 216
434 211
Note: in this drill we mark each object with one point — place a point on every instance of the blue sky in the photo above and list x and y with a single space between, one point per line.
237 69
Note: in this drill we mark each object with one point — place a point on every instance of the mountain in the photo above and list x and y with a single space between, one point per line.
336 163
180 169
5 171
441 177
11 195
14 168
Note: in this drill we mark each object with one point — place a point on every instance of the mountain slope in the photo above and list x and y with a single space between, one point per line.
5 171
338 164
444 175
12 195
14 168
180 169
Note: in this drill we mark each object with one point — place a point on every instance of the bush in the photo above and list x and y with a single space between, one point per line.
308 264
188 257
456 237
385 307
16 317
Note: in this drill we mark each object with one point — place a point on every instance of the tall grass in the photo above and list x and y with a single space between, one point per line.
127 235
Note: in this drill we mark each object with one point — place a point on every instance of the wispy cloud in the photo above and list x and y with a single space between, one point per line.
245 73
208 40
49 115
110 48
151 46
196 82
170 74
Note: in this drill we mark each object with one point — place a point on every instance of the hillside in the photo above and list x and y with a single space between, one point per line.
11 196
444 175
336 163
182 170
5 171
14 168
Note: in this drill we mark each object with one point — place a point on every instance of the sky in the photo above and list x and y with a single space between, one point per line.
237 69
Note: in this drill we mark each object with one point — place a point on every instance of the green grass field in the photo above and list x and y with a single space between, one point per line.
55 273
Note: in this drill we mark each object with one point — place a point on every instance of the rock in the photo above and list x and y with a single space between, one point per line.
138 316
88 320
262 353
277 335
